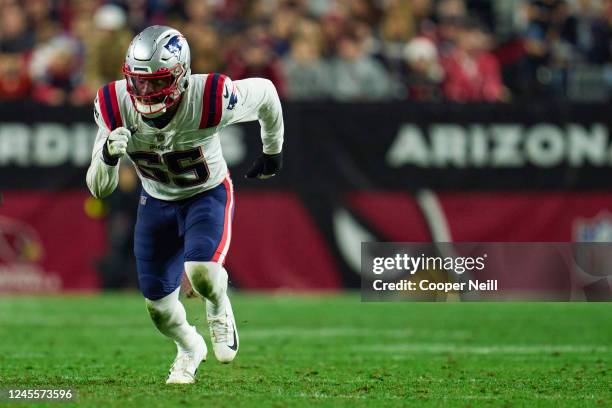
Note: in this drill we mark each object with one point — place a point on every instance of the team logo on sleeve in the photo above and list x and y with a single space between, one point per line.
174 46
233 98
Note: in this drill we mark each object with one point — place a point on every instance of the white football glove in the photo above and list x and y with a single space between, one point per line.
117 141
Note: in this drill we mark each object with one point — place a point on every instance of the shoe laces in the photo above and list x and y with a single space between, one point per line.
181 363
219 328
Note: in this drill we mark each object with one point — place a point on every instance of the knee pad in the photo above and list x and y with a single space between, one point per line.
201 248
209 279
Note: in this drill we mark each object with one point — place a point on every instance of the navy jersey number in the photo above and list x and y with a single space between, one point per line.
179 164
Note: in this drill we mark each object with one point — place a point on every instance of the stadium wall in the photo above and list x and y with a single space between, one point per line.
353 173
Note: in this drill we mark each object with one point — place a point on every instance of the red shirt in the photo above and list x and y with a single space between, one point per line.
472 79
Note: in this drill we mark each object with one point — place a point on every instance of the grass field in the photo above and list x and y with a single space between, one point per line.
306 350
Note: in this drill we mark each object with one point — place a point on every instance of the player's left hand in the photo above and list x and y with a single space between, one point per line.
266 166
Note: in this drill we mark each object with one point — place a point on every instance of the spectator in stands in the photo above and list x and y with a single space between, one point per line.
306 74
310 30
402 21
16 42
449 15
57 72
282 27
367 38
255 58
357 76
198 13
540 34
104 48
472 72
588 33
366 11
352 36
424 74
39 14
206 54
137 12
14 79
14 33
333 25
258 11
397 28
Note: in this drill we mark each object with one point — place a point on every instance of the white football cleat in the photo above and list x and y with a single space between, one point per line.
185 366
223 334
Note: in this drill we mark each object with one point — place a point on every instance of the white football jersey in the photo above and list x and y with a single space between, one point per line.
184 158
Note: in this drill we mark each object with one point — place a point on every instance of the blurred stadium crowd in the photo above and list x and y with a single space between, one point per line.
60 51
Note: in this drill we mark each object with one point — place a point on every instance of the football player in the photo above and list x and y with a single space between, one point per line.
167 122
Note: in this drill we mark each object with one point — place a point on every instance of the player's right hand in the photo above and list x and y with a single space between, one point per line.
117 141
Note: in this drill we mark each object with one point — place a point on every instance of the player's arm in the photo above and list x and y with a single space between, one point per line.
256 99
103 172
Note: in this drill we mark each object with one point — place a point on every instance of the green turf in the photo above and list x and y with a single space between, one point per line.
306 350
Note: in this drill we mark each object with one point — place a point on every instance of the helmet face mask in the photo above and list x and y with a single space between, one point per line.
157 69
153 93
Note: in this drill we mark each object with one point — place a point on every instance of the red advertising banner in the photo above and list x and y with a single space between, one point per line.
498 216
48 243
281 241
276 244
